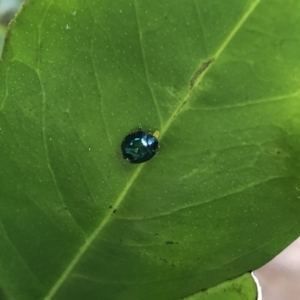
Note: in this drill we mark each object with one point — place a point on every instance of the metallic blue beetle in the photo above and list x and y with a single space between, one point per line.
139 146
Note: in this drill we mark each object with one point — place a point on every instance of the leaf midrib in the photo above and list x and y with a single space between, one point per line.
139 168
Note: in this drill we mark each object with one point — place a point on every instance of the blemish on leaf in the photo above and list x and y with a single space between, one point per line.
113 212
202 68
171 243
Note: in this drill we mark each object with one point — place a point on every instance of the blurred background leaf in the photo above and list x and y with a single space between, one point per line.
2 32
8 9
240 288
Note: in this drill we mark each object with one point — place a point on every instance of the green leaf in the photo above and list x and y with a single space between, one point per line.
218 79
241 288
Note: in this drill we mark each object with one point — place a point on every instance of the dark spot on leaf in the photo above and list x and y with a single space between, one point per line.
114 211
202 68
110 207
169 242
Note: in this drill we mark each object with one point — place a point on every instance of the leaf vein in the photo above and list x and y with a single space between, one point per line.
44 119
250 103
145 64
18 252
237 191
99 89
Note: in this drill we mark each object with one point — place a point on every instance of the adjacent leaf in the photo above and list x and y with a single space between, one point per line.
218 79
241 288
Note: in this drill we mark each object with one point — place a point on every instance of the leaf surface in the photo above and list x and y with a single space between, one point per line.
240 288
219 80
